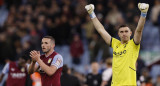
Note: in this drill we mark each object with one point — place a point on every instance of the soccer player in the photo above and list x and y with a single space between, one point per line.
17 72
48 65
125 50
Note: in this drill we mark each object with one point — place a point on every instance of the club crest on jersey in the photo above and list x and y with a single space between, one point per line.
22 69
49 61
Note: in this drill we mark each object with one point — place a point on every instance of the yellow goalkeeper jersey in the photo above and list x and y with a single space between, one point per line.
124 62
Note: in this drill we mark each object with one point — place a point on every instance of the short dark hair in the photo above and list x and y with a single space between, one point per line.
50 37
123 25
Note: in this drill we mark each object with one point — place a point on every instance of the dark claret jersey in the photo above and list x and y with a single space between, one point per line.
54 59
16 75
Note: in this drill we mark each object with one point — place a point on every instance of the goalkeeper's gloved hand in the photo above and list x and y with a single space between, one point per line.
90 10
143 7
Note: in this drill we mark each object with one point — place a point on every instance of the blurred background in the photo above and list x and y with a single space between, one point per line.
24 22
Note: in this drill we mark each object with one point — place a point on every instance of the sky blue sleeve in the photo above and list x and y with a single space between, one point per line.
6 69
57 61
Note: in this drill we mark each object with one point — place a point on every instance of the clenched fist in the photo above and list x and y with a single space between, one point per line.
143 7
89 8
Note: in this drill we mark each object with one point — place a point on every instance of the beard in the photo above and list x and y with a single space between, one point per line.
46 50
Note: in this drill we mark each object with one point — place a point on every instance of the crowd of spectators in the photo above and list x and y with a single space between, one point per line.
68 22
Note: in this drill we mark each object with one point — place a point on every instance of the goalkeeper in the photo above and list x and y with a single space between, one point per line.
125 50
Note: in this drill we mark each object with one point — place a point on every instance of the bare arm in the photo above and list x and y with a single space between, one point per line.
50 70
32 67
99 27
143 7
139 29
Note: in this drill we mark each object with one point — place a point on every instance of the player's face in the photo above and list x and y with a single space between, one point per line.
21 62
46 45
124 34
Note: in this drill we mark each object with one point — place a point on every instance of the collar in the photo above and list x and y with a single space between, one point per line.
49 55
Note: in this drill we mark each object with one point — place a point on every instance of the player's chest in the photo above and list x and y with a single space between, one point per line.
121 49
47 60
18 73
17 69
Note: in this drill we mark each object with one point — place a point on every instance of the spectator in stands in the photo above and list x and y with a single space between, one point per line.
155 13
94 47
149 81
67 79
76 49
6 52
88 28
105 49
94 78
157 81
140 65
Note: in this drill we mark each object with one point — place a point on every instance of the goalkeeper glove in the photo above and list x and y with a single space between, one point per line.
143 7
90 10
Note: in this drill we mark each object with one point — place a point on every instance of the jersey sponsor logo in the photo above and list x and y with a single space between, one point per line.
18 75
119 53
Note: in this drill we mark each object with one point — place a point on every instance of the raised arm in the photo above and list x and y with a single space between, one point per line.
138 32
99 27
